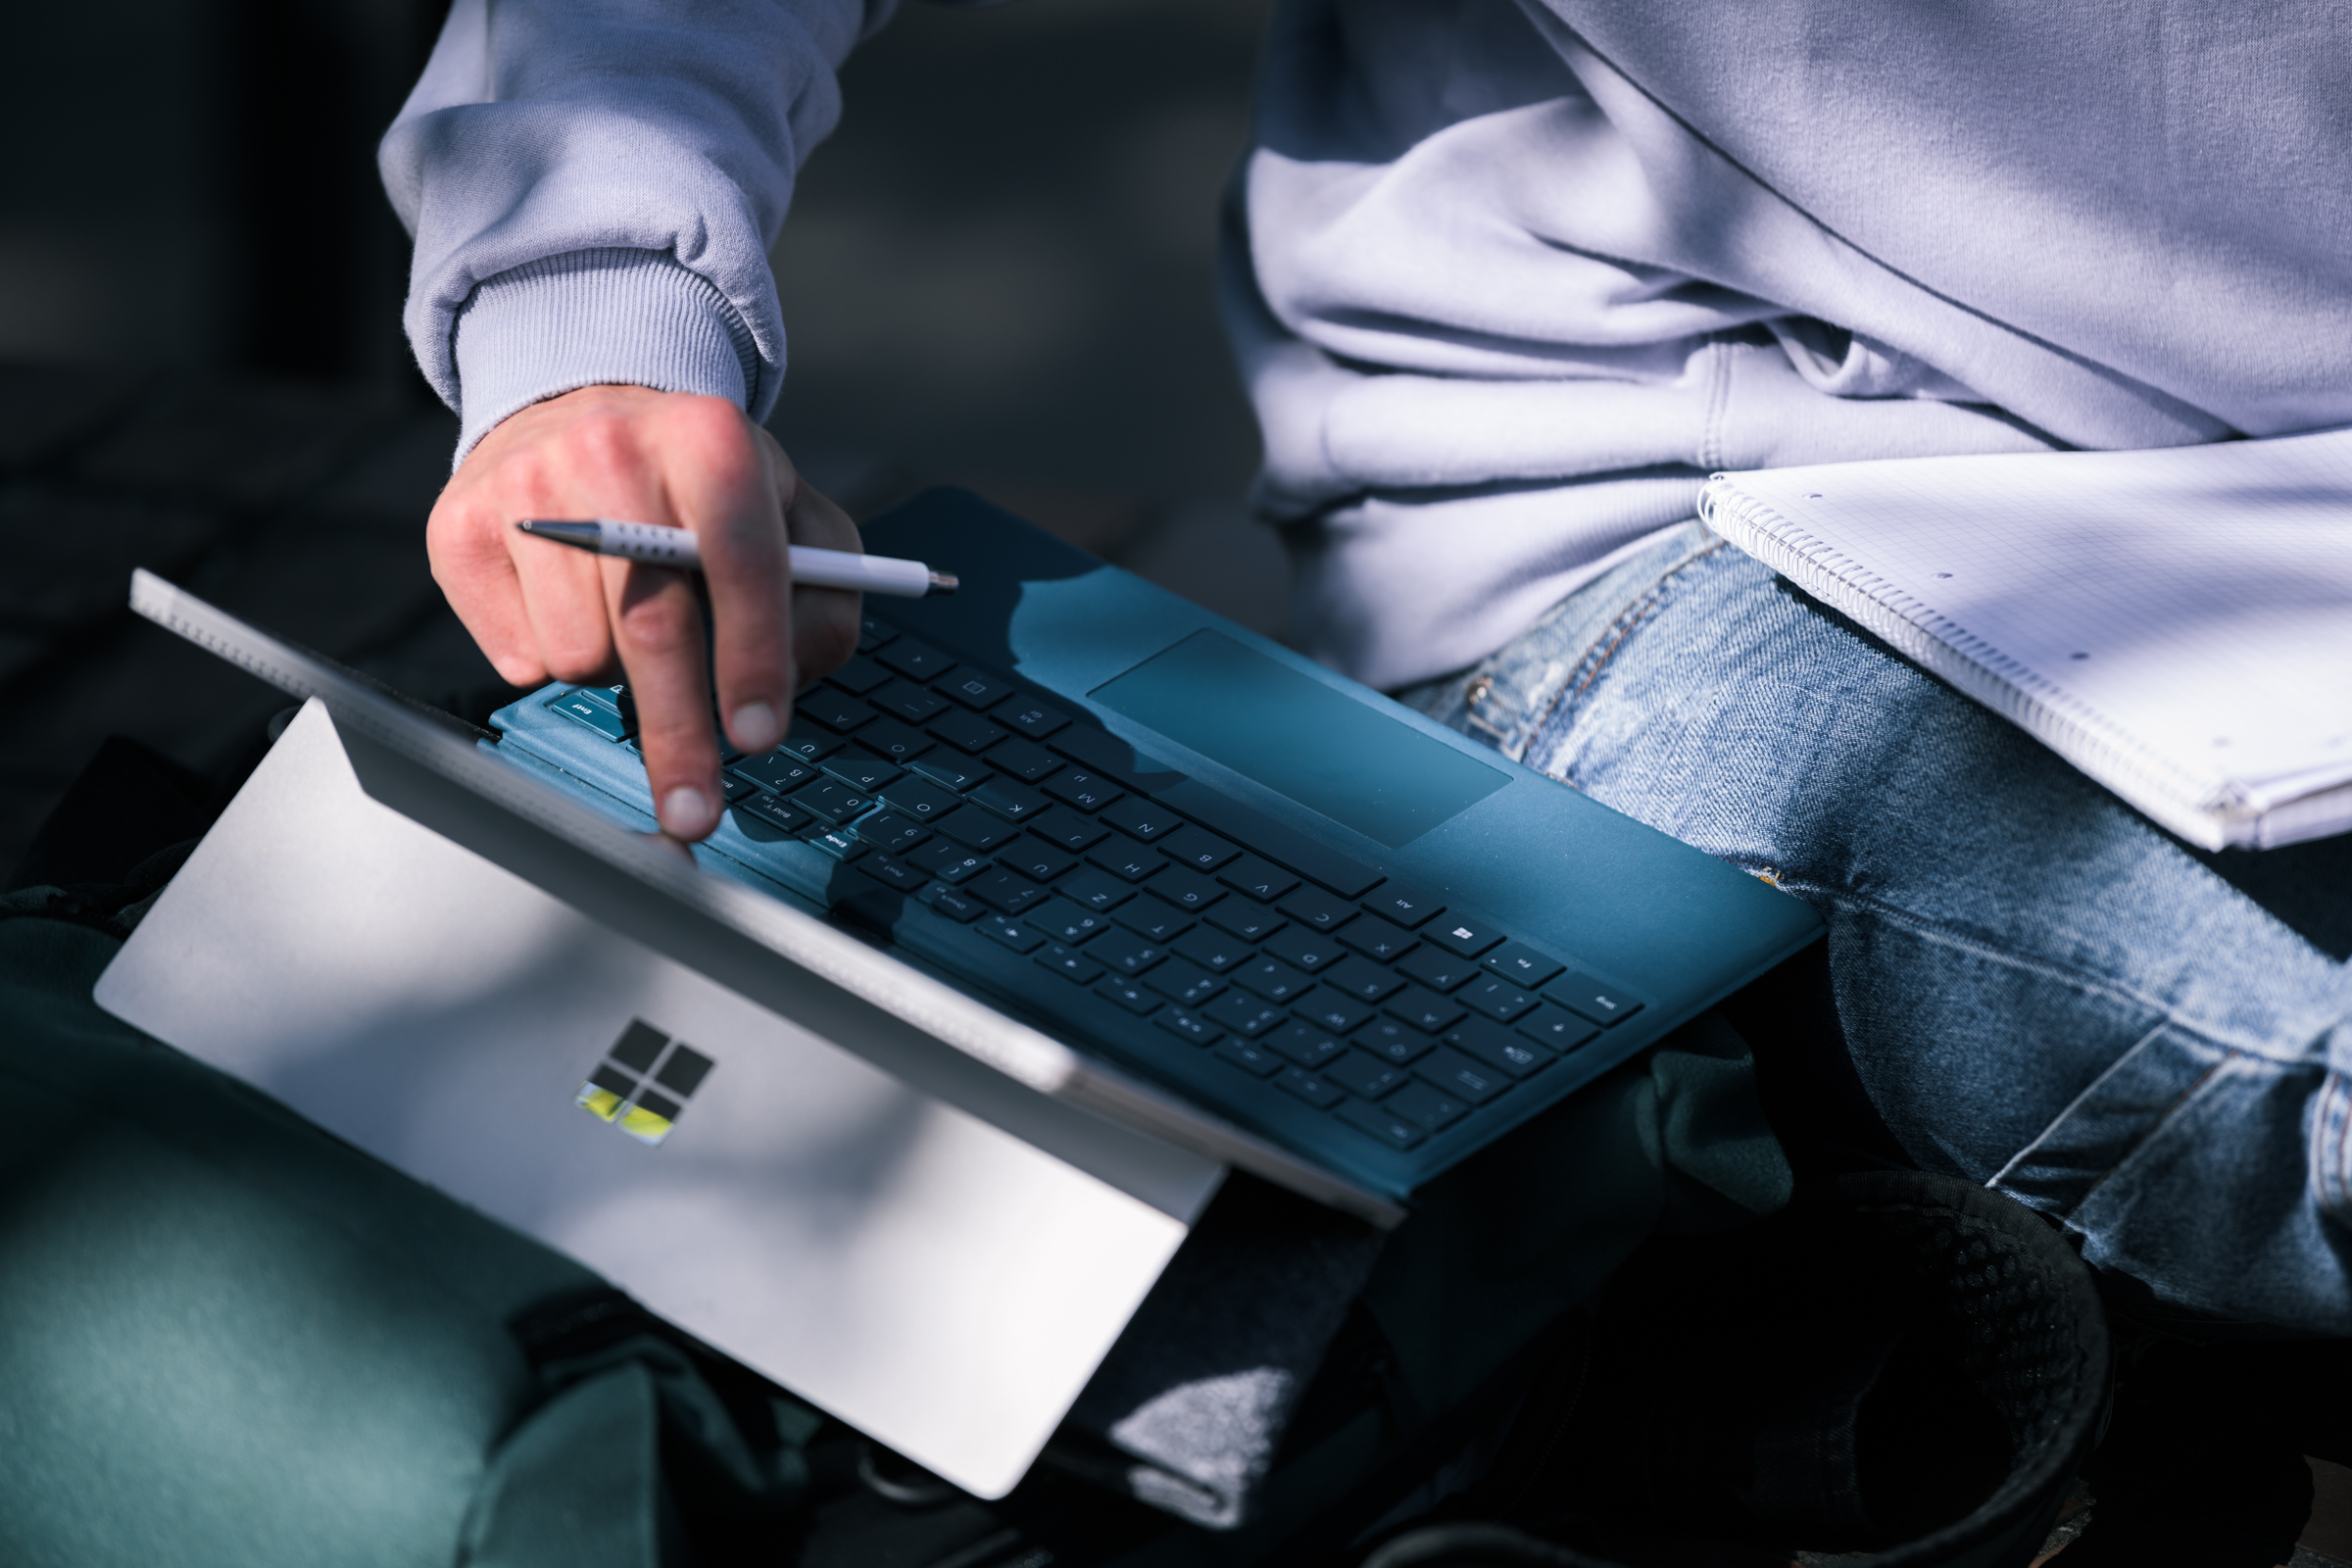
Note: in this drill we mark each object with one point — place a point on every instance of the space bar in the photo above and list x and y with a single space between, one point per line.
1269 838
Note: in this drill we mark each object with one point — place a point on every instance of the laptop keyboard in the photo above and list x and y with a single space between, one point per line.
1308 975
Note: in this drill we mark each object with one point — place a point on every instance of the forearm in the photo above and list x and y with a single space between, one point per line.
594 188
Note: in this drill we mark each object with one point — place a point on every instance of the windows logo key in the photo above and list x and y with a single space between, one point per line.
627 1091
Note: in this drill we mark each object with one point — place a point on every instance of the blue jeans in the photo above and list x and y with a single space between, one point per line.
2037 988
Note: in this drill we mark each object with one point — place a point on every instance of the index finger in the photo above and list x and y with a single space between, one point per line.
720 485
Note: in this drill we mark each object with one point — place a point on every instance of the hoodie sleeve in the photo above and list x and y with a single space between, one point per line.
594 186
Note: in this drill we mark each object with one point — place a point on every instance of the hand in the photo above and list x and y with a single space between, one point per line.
543 611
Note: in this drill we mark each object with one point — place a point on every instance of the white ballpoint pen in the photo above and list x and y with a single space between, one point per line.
812 568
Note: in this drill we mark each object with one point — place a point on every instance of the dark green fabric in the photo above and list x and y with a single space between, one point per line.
227 1339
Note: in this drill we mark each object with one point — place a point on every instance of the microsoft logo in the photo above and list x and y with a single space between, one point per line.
627 1091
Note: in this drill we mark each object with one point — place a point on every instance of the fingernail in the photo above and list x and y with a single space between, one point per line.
686 811
756 727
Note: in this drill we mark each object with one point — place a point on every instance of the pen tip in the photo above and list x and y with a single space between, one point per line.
942 582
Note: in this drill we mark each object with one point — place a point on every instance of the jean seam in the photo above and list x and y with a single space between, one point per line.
2331 1149
1604 648
1816 892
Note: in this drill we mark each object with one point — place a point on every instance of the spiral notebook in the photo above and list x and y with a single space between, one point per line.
2178 624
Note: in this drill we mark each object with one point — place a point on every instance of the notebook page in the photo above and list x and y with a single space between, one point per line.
2197 601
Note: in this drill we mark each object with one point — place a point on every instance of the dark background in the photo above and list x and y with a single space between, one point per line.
996 273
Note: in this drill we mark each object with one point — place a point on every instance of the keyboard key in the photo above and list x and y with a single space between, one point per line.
1126 993
1604 1003
965 731
1064 828
811 745
1558 1029
915 660
1499 1000
1185 984
1316 910
860 768
949 862
836 711
890 832
1406 906
1243 1014
1457 1075
1245 920
1307 1044
1015 803
873 633
1023 759
1362 979
1015 935
1437 968
1262 880
833 801
1521 964
950 772
1190 1026
1088 792
1499 1049
953 903
891 871
1214 951
1320 1092
1198 848
584 709
736 790
1067 962
1461 935
1006 891
1142 819
1126 860
1424 1010
975 830
1276 982
1100 753
1032 717
777 771
1125 952
1376 939
1419 1102
1064 921
1161 922
1360 1074
1333 1011
893 741
1381 1124
776 814
837 843
1393 1042
973 689
903 699
860 675
1255 1060
1186 890
1308 950
918 798
1090 887
1032 858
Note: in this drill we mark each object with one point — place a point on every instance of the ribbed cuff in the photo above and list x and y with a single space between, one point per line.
591 318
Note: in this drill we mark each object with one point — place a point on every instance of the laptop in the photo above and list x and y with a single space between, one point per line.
1062 896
